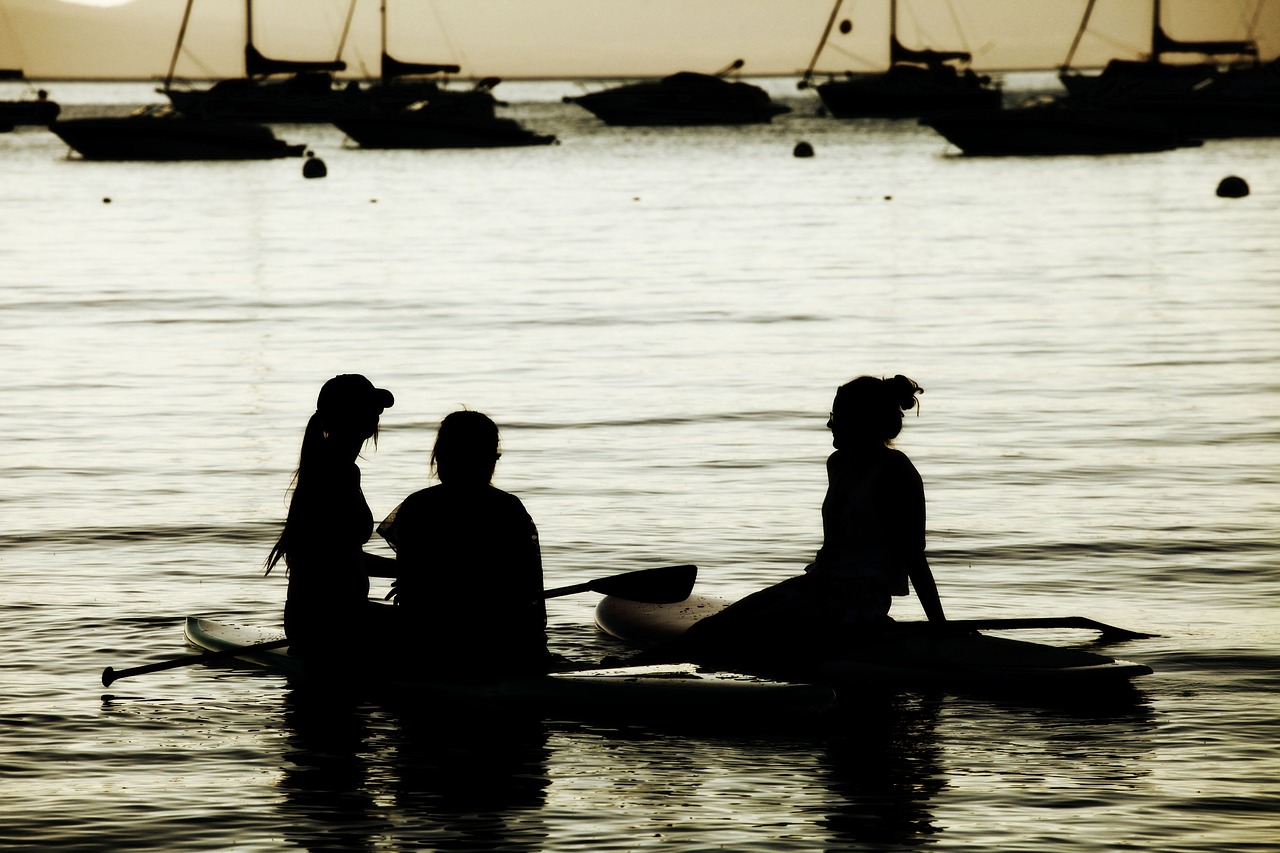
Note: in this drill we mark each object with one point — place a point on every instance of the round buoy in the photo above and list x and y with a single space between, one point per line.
314 167
106 201
846 27
803 149
1232 187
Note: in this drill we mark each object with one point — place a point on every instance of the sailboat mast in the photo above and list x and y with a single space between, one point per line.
177 48
822 42
1075 43
1155 32
248 31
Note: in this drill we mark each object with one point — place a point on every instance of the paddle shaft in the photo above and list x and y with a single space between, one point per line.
1048 622
109 674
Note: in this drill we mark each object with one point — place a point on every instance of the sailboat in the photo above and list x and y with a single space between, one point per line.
39 110
160 132
916 82
402 84
1130 79
409 109
308 93
1207 98
683 98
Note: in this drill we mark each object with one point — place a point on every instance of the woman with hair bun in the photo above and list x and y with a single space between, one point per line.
873 544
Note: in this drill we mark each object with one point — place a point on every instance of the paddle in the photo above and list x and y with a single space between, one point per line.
664 585
110 674
1110 631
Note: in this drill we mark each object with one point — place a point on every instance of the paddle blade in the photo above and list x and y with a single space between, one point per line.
666 585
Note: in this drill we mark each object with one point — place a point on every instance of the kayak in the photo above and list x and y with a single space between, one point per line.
678 689
907 653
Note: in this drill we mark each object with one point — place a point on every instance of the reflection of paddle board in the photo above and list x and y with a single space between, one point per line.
908 653
676 689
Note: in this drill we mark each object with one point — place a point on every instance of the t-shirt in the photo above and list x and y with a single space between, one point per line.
471 581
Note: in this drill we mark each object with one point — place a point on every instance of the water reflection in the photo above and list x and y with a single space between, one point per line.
887 771
328 804
473 779
357 776
883 765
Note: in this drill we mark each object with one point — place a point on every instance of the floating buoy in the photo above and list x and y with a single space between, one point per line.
314 167
1232 187
803 149
106 201
846 27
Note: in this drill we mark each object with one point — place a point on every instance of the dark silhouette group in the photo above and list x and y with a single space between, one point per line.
464 541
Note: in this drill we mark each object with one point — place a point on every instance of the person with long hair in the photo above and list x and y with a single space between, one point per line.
873 523
469 566
328 611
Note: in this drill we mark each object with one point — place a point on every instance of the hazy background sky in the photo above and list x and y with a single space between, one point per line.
588 38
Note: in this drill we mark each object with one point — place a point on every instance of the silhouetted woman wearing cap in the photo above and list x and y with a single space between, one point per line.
329 522
469 577
873 543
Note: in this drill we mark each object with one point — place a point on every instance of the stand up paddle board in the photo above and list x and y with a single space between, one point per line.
910 653
673 689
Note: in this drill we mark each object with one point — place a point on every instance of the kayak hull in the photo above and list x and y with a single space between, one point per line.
909 653
678 689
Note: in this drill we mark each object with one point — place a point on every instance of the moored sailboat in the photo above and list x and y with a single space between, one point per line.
1127 80
455 122
309 92
409 109
1225 92
916 81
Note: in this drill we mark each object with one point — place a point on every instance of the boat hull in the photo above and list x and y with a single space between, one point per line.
304 99
171 138
39 112
424 130
907 92
682 99
1035 131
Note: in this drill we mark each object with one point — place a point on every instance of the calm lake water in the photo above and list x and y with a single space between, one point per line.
657 320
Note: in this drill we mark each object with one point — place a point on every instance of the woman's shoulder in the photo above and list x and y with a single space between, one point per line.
897 462
507 501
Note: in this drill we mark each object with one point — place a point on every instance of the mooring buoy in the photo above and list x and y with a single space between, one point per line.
314 167
1232 187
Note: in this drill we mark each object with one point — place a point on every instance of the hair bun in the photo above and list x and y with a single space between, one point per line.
904 391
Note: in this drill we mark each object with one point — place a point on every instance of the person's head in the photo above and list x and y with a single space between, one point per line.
466 449
868 410
349 406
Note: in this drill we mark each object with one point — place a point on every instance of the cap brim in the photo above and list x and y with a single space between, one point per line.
383 398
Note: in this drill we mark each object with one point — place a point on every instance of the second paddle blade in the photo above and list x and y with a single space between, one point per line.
666 585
